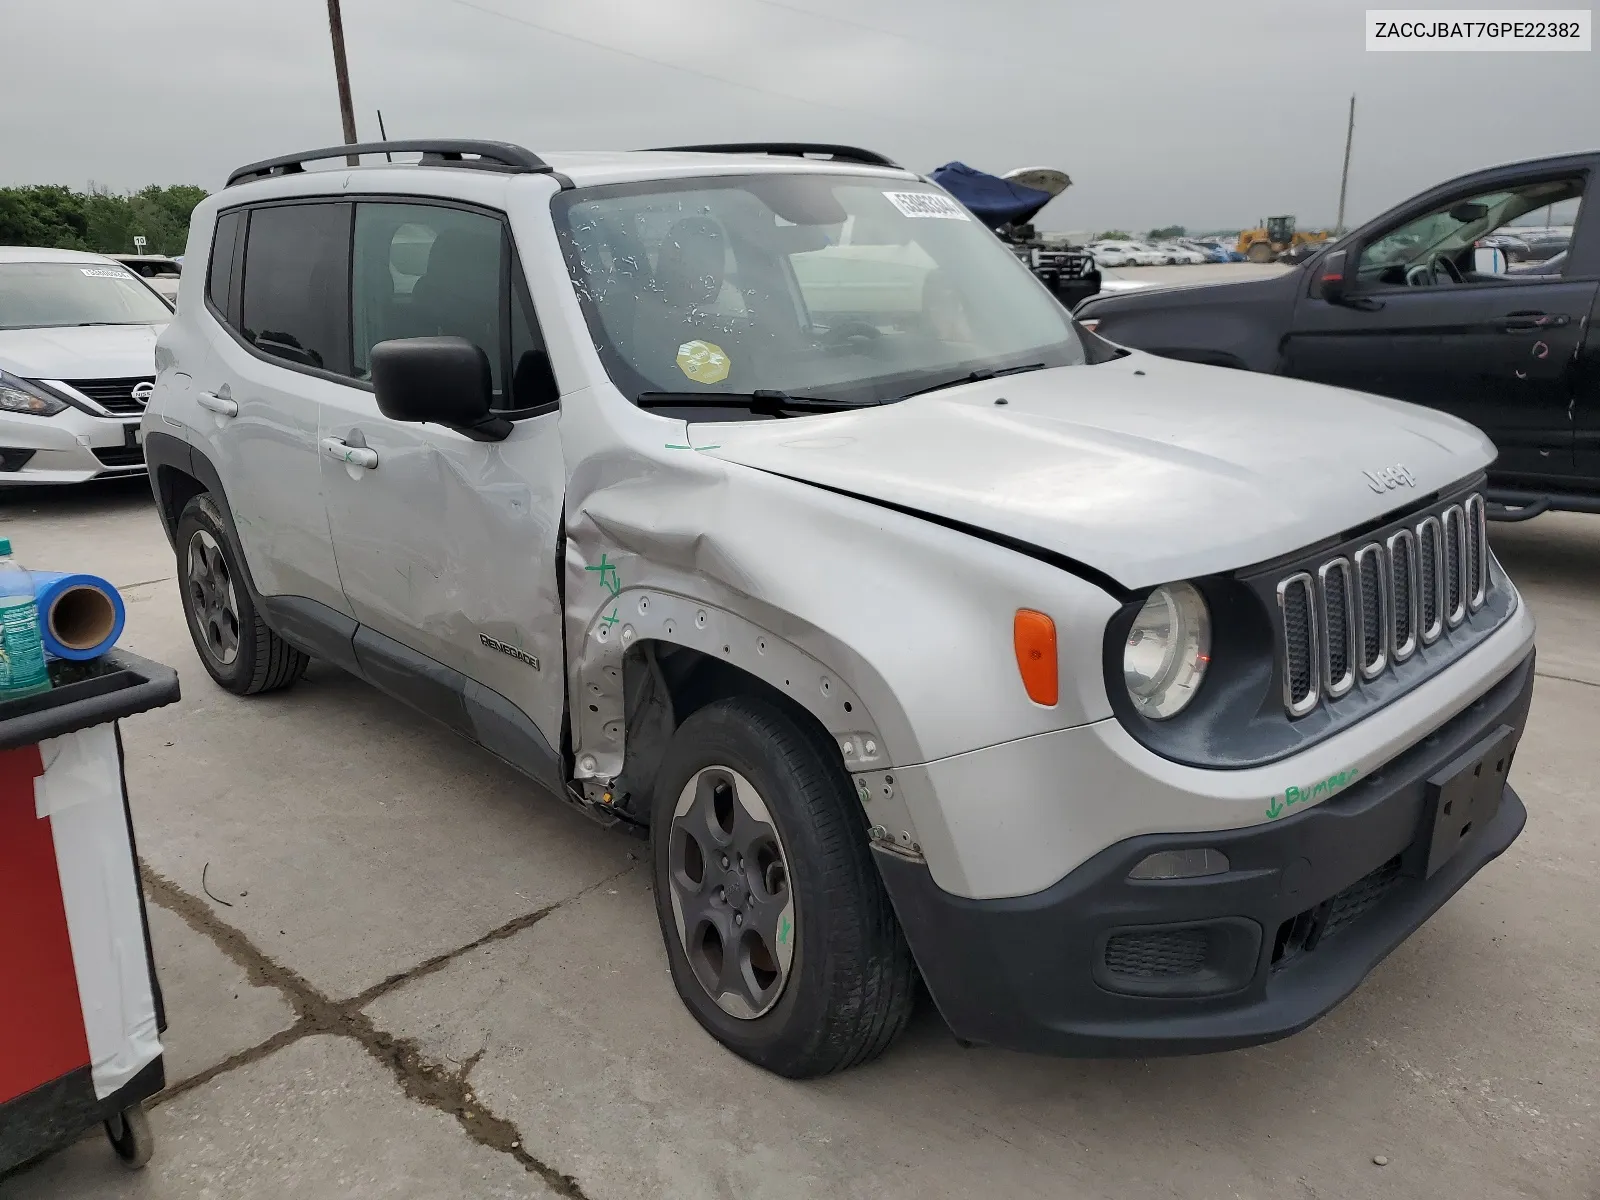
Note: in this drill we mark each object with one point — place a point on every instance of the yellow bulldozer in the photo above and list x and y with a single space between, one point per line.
1275 236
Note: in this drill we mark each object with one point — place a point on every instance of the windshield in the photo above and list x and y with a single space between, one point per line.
856 289
37 295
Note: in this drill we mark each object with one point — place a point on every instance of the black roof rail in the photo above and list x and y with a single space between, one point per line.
849 154
489 156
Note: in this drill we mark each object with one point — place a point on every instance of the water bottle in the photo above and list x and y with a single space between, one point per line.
22 669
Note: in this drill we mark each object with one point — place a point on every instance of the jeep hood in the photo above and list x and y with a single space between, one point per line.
80 352
1146 469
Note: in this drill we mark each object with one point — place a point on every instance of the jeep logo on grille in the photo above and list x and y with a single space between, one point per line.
142 392
1389 478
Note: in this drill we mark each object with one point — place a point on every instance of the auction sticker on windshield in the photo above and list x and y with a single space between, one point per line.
927 204
703 362
105 273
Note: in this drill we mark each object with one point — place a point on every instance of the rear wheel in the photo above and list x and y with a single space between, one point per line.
1259 252
780 937
233 642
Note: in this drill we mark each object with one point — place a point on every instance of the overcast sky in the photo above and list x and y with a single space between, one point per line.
1205 113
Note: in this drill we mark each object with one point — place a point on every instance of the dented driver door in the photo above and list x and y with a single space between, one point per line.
446 546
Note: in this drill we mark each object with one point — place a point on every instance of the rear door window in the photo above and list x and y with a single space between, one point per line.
296 284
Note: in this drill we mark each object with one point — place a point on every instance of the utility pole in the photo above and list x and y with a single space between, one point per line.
342 74
1344 178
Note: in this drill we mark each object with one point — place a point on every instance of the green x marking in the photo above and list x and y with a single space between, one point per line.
609 579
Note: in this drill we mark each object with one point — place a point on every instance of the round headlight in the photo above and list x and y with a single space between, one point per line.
1167 651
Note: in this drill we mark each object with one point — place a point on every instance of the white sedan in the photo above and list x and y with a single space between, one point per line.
1174 255
1112 254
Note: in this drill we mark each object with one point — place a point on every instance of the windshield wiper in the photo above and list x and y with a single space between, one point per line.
762 401
977 376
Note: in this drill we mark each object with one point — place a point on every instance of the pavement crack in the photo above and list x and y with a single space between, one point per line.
439 961
422 1080
1566 678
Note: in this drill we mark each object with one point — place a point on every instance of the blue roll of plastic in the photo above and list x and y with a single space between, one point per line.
80 616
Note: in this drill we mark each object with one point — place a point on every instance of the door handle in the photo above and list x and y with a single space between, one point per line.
1530 322
355 456
220 405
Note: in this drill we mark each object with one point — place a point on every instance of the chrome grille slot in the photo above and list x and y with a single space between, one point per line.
1372 595
1366 608
1477 552
1403 584
1298 610
1430 581
1338 628
1455 565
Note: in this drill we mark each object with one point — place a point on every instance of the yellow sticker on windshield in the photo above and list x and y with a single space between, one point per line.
703 362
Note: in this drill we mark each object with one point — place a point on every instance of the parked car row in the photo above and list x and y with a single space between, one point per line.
1117 252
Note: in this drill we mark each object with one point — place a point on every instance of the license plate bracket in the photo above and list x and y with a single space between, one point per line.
1461 798
132 434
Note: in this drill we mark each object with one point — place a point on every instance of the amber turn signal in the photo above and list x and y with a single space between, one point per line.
1034 636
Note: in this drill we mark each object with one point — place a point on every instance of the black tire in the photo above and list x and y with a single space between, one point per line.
851 984
1260 252
261 661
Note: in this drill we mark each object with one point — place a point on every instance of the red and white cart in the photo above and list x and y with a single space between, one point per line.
80 1008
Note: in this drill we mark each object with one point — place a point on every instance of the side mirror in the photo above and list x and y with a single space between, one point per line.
445 380
1330 284
1488 260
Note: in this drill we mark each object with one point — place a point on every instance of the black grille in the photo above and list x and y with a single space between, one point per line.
1402 573
113 395
1157 955
1428 570
1338 624
1361 896
120 456
1476 535
1455 549
1373 634
1297 638
1361 615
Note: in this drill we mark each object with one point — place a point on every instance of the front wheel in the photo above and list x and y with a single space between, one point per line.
779 934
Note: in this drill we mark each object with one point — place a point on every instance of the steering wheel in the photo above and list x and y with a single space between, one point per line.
1421 275
1443 262
843 334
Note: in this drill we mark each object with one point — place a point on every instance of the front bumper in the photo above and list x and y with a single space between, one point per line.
1310 904
70 447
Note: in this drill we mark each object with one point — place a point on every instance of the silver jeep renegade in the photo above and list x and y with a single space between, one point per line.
757 499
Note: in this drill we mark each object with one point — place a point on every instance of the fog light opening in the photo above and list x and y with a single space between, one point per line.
1180 864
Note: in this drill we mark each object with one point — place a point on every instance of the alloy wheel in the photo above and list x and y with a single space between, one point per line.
728 875
212 598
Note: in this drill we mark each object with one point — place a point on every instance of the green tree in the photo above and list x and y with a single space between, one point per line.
1166 232
1114 235
99 221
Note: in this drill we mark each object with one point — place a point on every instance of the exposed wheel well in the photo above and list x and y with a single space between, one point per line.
174 489
692 680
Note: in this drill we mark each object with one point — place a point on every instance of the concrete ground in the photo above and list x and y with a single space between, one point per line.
395 970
